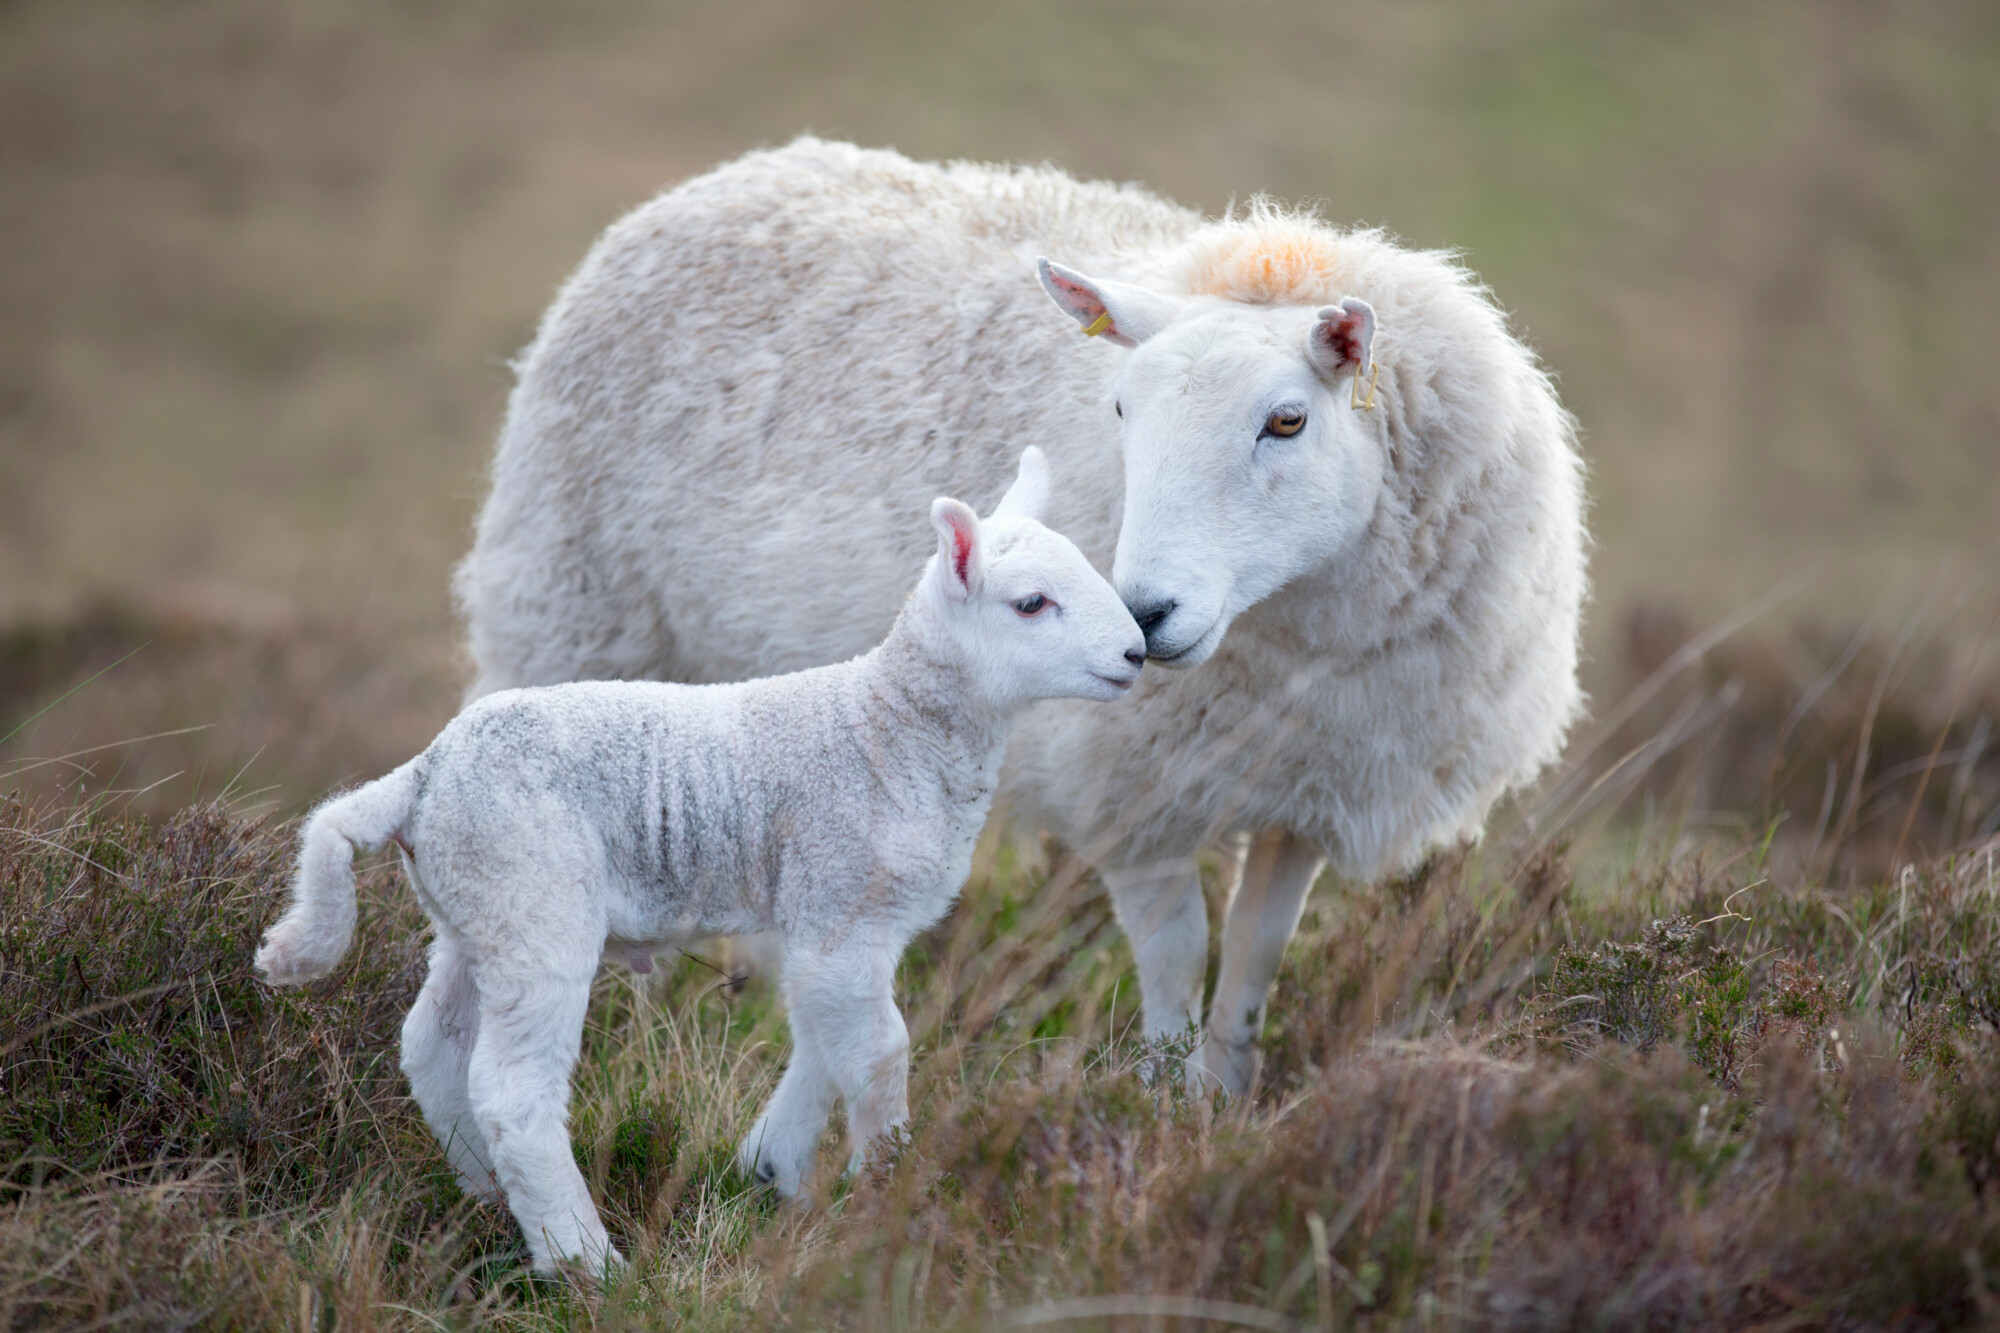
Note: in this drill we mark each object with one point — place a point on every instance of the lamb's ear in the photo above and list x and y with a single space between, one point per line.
960 568
1118 313
1030 491
1344 338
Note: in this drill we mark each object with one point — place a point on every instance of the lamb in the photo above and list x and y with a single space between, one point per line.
1371 612
545 829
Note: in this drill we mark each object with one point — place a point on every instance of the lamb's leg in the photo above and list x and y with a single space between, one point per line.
530 1030
844 1015
867 1047
781 1145
1159 906
437 1050
1273 878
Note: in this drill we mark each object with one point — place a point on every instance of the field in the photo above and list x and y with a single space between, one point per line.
1706 1033
1596 1072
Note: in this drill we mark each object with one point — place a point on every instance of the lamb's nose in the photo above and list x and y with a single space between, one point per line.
1136 657
1152 617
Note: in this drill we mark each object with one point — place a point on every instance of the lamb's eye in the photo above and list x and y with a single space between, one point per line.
1032 604
1285 422
1119 408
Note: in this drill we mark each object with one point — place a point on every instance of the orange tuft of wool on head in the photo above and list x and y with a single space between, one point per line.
1269 258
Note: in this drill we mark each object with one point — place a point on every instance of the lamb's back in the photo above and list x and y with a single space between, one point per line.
676 808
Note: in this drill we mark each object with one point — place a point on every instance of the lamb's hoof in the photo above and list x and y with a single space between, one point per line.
763 1163
1230 1067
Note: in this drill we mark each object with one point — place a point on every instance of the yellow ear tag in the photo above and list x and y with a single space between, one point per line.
1354 398
1098 325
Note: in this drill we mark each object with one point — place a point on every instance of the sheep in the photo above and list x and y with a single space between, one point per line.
546 829
1383 601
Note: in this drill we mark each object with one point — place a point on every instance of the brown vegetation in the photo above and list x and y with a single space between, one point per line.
1590 1074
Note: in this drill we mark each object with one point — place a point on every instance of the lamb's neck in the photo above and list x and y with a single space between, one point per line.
927 708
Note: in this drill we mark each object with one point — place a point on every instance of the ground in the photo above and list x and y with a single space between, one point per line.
1616 1066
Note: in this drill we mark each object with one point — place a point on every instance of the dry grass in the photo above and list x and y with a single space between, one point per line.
1620 1074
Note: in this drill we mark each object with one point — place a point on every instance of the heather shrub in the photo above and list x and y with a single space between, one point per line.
1588 1073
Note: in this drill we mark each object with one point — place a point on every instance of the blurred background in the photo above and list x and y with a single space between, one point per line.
263 264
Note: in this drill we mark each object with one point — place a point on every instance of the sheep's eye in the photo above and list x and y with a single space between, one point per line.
1285 422
1119 408
1032 604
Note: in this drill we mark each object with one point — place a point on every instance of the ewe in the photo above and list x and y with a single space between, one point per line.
547 828
1383 603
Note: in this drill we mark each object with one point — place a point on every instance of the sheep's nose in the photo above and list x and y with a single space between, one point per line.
1152 617
1135 656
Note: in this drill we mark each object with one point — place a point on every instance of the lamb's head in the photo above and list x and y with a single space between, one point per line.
1021 607
1245 463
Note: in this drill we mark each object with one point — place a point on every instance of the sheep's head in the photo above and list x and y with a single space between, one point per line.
1022 606
1246 465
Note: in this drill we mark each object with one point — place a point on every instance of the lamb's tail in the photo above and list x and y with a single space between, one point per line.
316 931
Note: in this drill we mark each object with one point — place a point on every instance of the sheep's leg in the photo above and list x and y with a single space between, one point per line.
845 1023
1159 906
1274 874
868 1050
781 1145
437 1051
530 1030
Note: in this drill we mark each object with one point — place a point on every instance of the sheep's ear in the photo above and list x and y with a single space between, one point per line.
1030 491
960 563
1344 338
1117 313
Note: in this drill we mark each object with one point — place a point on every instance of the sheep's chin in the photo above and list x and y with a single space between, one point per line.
1197 652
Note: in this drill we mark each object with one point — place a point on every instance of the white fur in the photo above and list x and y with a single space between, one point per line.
1385 607
549 828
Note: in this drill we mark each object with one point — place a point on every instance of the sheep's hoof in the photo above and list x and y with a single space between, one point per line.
1230 1067
879 1156
585 1273
762 1164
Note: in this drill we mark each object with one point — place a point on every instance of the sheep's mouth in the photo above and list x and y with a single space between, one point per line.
1121 684
1194 652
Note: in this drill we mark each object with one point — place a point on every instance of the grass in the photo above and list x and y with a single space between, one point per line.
1591 1073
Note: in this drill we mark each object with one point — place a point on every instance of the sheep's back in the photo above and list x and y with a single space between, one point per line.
730 426
734 416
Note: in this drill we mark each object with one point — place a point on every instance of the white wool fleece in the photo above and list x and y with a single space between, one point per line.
1377 610
547 828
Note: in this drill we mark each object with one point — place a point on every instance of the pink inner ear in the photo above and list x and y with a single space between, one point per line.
961 554
1341 337
1082 298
